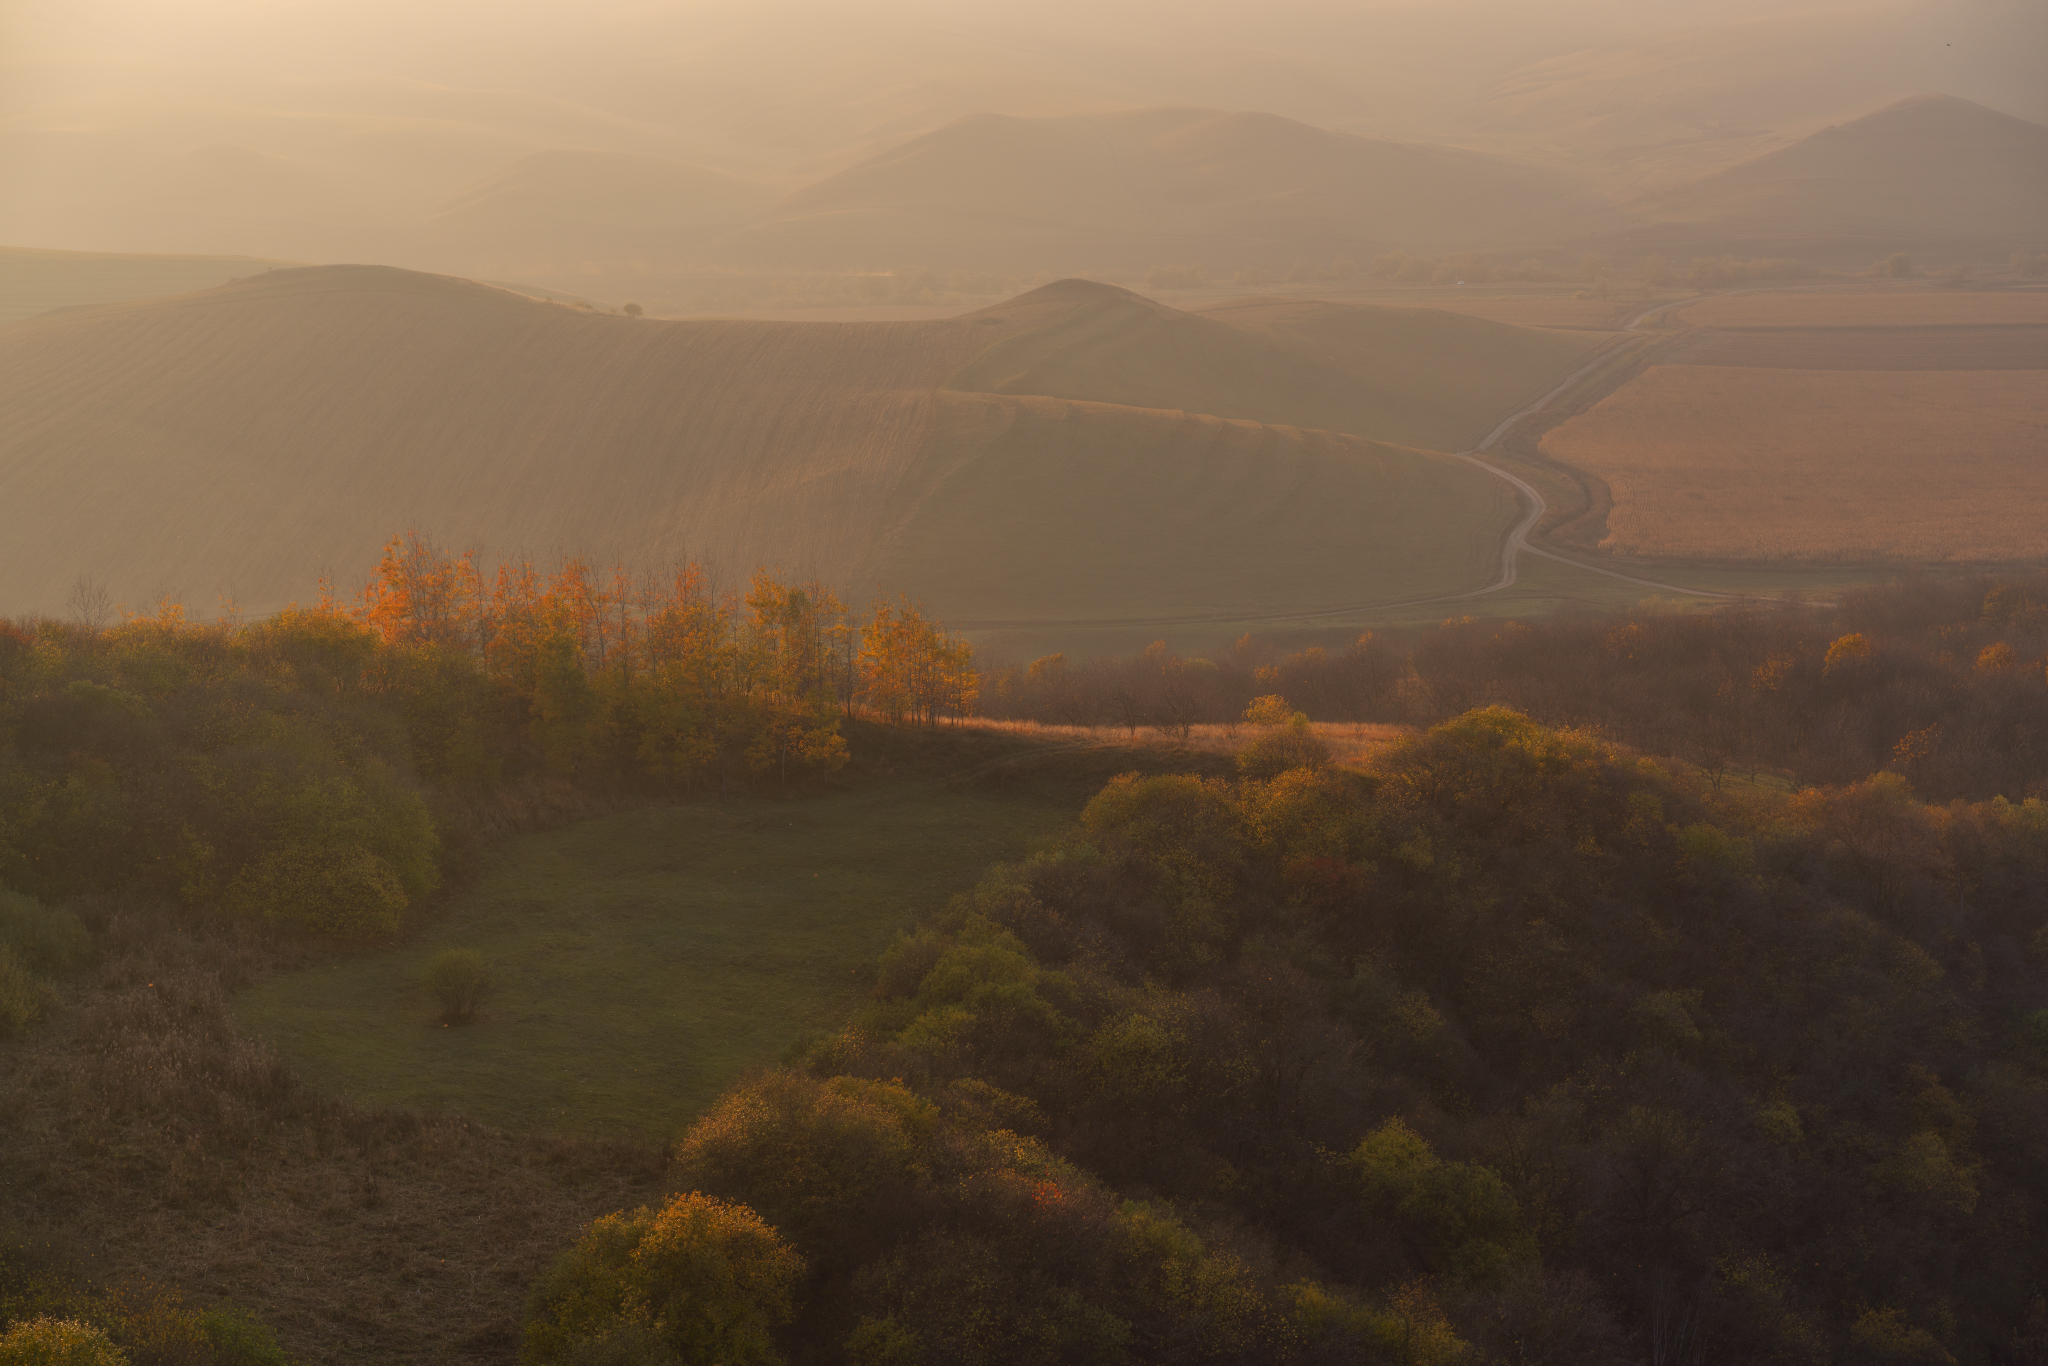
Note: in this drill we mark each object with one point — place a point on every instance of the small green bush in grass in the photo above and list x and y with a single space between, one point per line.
461 983
58 1342
43 940
21 995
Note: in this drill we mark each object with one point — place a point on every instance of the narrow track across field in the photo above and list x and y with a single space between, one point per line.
1518 539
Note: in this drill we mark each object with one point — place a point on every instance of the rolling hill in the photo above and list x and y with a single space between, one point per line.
1931 172
1412 376
247 439
1139 187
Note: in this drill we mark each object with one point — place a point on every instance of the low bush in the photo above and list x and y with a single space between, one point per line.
700 1281
45 941
21 995
1282 750
58 1342
460 983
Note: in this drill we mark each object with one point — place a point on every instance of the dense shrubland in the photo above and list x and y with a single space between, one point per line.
1510 1046
1942 681
1513 1048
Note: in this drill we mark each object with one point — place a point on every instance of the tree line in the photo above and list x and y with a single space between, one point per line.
1941 681
310 768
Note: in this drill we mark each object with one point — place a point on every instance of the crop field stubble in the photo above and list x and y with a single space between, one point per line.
1730 462
1874 308
1879 427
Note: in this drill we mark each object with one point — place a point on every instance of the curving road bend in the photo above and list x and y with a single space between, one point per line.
1518 539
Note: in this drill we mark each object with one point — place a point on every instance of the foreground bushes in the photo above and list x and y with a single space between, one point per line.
49 1320
700 1281
1510 1048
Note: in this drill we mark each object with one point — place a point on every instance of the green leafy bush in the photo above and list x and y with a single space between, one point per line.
21 995
1295 747
239 1339
43 940
460 982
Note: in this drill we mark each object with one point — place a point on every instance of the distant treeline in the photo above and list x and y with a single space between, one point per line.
309 768
1511 1048
1943 681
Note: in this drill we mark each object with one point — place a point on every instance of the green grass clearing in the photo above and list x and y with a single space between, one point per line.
647 959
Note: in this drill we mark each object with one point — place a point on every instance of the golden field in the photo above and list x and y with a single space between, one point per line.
1781 464
1869 308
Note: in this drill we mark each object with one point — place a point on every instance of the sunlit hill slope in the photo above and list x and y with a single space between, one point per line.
1047 459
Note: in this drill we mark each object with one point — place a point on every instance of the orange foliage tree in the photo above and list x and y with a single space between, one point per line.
912 669
687 682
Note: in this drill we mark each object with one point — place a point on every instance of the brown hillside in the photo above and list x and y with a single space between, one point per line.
246 439
1021 510
1410 376
1138 187
1931 171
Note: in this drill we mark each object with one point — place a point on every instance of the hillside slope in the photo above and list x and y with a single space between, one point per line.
1149 185
1412 376
1931 171
247 439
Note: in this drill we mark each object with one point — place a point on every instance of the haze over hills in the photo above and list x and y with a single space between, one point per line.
563 205
1644 111
246 439
1141 186
35 281
1927 172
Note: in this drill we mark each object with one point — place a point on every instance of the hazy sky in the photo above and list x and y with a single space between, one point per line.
169 124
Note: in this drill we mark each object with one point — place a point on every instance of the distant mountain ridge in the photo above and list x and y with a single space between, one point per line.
1930 171
1144 186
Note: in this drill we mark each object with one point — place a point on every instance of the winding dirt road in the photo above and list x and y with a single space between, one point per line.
1517 543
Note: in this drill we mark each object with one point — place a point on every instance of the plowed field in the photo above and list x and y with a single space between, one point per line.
1748 463
2008 346
1876 308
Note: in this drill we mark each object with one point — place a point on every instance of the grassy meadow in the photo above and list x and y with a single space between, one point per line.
645 959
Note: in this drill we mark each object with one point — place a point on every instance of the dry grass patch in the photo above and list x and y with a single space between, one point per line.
1350 742
145 1138
1599 315
1875 308
1732 463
